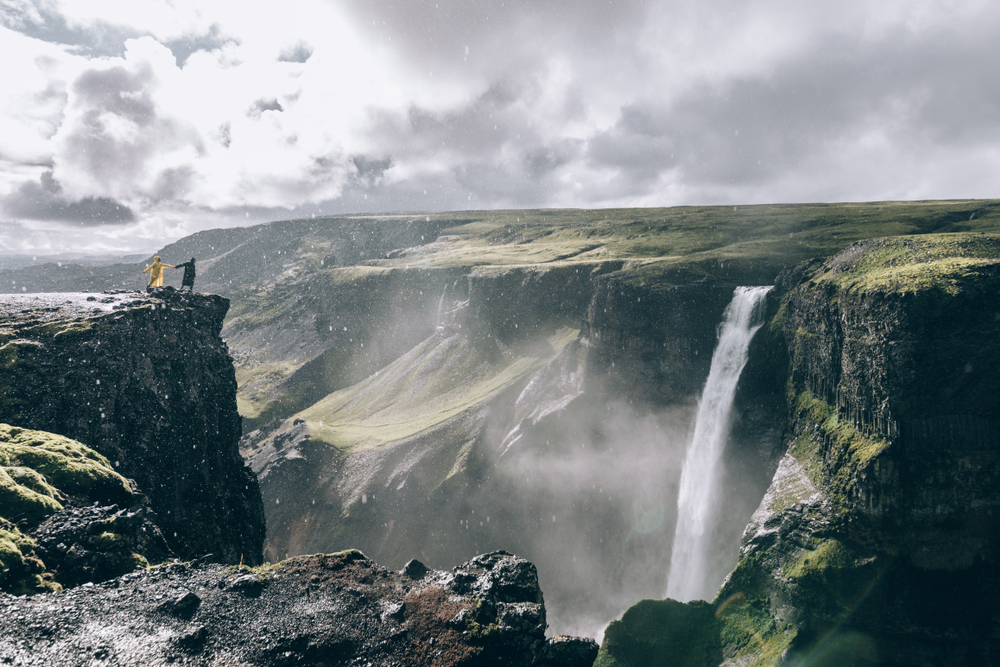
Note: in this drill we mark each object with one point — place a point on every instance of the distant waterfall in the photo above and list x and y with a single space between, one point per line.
437 322
697 500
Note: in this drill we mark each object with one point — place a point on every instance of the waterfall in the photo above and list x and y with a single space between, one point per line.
697 501
437 322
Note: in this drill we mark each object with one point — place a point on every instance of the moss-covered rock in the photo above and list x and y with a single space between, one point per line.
663 632
21 571
40 473
45 467
21 502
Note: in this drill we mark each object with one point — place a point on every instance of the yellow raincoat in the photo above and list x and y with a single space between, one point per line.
155 271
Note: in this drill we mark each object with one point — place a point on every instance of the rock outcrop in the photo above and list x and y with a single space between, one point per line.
337 609
60 522
878 541
145 380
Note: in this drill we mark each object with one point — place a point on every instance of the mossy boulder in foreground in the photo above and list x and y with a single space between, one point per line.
38 469
60 522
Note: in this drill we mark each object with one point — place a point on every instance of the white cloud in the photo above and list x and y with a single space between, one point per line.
189 110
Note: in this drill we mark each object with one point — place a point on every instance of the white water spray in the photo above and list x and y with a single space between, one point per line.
438 323
697 500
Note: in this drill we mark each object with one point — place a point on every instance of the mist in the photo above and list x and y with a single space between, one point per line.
562 470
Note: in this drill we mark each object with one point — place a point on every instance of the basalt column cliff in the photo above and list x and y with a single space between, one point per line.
877 542
147 382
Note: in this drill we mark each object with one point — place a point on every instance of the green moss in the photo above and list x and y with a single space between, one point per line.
833 454
21 572
838 573
69 466
942 262
663 632
776 326
22 503
31 479
62 329
481 623
107 541
14 546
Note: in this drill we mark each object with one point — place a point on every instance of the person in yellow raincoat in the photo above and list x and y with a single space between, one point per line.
155 271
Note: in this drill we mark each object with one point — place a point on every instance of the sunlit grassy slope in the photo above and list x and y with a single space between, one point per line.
439 380
910 263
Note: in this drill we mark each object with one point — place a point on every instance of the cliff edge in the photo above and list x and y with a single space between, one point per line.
146 381
877 541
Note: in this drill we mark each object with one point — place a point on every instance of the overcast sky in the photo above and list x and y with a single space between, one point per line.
126 124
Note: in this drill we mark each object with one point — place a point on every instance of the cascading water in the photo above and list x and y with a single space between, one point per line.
697 500
437 322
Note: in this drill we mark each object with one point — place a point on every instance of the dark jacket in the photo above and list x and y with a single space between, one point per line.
188 273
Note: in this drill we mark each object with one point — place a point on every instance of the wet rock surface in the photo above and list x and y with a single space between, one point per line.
145 380
92 544
337 609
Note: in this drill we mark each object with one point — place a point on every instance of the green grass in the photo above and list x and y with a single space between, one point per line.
786 233
439 381
647 247
257 382
944 262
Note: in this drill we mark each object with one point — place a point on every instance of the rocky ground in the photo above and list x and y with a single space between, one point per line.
338 609
42 307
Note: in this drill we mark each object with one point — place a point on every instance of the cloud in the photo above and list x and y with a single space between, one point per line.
203 107
299 53
44 201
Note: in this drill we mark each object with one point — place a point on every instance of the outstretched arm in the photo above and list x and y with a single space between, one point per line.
146 270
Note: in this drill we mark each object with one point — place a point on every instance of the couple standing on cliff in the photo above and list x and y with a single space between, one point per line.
155 271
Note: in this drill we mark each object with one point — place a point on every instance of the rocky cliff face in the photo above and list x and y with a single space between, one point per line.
145 381
337 609
876 543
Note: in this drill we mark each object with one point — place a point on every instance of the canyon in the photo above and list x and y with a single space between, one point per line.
446 385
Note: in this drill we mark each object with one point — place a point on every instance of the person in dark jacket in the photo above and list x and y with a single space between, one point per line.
188 280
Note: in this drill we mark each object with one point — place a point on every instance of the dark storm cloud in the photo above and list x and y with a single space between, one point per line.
910 92
43 200
119 91
479 128
370 170
116 127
